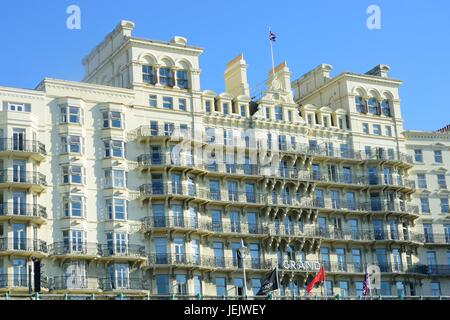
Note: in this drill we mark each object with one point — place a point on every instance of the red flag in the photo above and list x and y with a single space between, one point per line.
319 278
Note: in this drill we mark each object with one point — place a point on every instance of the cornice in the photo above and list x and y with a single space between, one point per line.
22 93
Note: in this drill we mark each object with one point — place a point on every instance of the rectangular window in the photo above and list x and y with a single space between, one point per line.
182 104
377 129
162 284
167 102
425 205
435 289
388 131
153 101
418 156
441 181
221 288
114 148
208 106
278 113
422 180
112 119
365 128
444 205
243 110
438 156
70 114
226 108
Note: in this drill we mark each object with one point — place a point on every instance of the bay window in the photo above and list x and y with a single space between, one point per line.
74 206
112 119
117 209
73 174
71 144
70 114
114 148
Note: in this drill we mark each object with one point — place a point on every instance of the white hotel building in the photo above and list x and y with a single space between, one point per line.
135 180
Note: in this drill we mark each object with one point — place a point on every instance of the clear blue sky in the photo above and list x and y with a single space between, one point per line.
414 41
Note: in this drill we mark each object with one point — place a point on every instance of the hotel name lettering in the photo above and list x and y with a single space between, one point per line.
301 265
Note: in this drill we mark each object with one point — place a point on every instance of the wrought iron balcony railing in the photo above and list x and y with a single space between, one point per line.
164 131
23 244
124 283
27 177
19 280
97 250
437 238
205 261
28 210
124 250
72 283
32 146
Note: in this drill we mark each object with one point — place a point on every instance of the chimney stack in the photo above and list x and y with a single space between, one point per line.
236 77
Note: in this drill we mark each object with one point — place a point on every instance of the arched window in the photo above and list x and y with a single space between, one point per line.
182 79
148 74
373 106
385 108
360 104
166 77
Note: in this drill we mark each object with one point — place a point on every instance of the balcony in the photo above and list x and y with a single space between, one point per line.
23 212
207 262
22 179
19 147
162 133
124 284
14 281
330 234
438 270
437 239
164 223
81 250
345 267
125 252
23 246
373 206
74 283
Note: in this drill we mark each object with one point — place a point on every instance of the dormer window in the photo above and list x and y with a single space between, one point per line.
208 106
148 74
242 110
182 79
166 77
226 108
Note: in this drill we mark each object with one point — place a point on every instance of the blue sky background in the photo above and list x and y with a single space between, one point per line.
414 41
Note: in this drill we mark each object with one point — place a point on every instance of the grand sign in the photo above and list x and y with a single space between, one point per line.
301 265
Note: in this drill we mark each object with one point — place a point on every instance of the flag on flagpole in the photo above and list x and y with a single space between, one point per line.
318 279
272 36
270 283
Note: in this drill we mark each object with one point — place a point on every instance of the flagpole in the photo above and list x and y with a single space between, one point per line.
278 280
243 268
271 53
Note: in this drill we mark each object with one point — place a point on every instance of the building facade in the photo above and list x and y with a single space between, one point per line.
135 180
